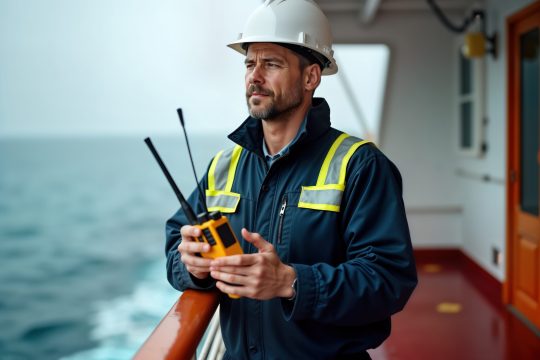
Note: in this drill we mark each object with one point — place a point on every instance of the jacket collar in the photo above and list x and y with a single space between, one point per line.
249 135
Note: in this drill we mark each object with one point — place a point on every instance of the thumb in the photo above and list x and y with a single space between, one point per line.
257 240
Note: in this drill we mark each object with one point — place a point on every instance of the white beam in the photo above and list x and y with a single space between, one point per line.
405 5
392 5
369 10
338 6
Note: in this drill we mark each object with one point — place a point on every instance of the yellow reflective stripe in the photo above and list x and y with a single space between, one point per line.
325 187
346 158
325 197
232 167
212 170
220 181
326 164
224 201
325 207
221 209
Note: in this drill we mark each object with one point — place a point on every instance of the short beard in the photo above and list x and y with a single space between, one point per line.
285 104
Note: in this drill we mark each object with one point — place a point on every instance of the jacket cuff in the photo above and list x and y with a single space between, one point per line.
202 284
306 295
188 281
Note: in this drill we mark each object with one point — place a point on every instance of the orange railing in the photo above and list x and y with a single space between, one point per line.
181 330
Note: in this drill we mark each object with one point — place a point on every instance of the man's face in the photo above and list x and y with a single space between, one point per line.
273 81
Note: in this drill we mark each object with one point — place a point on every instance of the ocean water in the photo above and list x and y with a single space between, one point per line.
82 265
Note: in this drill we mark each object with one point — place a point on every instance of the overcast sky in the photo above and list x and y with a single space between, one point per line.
124 66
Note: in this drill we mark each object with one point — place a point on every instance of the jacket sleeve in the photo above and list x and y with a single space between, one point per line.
379 273
177 274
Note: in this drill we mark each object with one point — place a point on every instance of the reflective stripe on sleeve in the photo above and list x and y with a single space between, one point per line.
223 168
338 165
328 159
232 168
220 181
328 191
212 171
223 201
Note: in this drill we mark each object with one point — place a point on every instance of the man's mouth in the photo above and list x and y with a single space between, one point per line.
257 91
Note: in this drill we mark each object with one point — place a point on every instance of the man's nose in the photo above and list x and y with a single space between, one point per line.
256 75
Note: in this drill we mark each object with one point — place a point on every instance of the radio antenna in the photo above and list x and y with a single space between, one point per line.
201 197
185 205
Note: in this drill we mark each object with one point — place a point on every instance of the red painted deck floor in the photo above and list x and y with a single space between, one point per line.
452 316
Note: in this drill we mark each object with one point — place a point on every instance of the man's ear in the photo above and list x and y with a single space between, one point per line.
312 77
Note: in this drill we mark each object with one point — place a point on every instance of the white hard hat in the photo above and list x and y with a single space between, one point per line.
293 22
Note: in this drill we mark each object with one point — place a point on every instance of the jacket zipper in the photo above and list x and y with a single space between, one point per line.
281 217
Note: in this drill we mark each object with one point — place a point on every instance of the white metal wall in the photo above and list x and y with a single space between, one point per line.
417 118
484 223
420 132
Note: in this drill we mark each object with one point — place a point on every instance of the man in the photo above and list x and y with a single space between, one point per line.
319 214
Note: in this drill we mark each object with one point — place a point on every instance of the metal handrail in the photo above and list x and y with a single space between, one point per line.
213 338
181 330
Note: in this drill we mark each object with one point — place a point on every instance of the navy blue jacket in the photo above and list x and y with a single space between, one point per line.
354 268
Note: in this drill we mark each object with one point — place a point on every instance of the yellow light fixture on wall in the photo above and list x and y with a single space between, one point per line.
476 41
477 44
474 45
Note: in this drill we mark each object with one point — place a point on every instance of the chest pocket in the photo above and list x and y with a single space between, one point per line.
326 194
219 196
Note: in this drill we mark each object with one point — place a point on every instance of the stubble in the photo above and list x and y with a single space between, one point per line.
278 107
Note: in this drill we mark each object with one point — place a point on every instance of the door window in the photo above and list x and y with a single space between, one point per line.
529 119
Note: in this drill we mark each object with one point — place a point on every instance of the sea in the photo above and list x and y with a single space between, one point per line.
82 261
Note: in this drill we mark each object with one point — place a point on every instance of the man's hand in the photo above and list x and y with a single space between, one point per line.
189 247
259 276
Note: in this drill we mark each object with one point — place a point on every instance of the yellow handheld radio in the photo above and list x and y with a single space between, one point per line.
214 226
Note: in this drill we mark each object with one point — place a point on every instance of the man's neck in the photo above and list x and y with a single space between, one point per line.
280 132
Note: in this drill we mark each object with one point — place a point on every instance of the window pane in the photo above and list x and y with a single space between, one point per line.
356 92
529 121
465 79
466 125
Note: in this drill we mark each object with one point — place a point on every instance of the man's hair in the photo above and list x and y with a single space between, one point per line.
304 62
306 56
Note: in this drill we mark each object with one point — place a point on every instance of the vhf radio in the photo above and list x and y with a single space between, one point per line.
214 226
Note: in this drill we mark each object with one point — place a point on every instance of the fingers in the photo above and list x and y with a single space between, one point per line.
235 260
254 287
257 240
190 231
231 289
233 284
197 266
189 244
189 250
195 261
238 270
234 275
231 279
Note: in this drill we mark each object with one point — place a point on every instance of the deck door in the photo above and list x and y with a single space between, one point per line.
524 163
